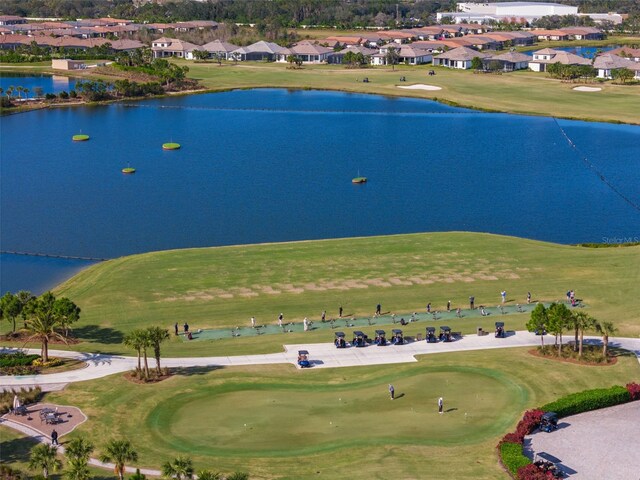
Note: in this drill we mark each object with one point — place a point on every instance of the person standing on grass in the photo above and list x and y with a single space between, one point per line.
186 328
503 294
340 311
392 392
528 297
280 318
472 301
54 437
305 323
176 328
253 322
440 405
324 315
378 309
449 306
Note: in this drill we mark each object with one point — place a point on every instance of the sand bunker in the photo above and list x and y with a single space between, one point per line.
587 89
420 86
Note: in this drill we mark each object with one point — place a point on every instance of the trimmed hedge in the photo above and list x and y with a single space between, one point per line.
512 457
588 400
18 359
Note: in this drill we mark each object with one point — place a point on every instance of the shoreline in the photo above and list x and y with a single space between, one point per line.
397 93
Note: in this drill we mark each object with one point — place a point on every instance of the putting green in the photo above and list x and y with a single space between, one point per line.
248 419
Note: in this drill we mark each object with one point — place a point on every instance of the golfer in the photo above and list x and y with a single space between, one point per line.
391 391
54 437
440 405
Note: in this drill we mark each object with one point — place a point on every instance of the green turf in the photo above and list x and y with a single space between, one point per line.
308 423
225 287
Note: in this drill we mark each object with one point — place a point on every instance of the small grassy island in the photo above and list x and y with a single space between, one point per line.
359 180
129 170
80 137
170 146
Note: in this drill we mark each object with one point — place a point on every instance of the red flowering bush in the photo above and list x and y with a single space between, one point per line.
634 390
530 421
533 472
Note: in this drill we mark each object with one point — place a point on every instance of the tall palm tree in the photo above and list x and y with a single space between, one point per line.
605 329
20 89
43 321
10 308
208 475
44 457
156 336
119 452
582 321
139 341
180 468
24 297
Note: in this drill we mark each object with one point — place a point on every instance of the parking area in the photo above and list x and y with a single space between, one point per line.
593 445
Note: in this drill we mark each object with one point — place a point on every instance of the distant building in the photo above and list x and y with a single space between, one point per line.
517 12
11 20
548 56
66 64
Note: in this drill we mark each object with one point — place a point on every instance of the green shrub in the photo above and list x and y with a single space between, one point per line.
512 457
18 359
588 400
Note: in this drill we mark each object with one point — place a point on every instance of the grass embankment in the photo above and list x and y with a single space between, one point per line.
215 287
327 422
522 92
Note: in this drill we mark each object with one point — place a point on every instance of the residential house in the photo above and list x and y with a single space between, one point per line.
626 52
221 49
172 47
547 56
507 62
337 57
11 20
550 34
258 51
308 52
460 57
583 33
397 36
479 42
407 54
348 41
607 62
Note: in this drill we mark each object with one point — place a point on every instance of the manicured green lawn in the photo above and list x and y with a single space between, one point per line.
318 422
523 92
213 287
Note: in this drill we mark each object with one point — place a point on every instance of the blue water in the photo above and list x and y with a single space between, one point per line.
48 83
586 52
35 274
276 165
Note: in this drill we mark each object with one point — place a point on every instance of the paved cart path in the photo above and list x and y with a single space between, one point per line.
322 355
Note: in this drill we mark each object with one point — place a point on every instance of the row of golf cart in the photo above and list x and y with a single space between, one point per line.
360 339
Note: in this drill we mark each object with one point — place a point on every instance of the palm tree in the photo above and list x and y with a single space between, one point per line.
19 89
208 475
119 452
26 92
77 469
582 322
180 468
44 457
139 341
78 448
156 336
24 297
605 329
42 322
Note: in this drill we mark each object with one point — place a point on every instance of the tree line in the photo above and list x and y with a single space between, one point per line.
44 458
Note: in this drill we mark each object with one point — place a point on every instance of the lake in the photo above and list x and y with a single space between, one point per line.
276 165
48 83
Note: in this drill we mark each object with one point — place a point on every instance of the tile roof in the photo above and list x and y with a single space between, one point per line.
219 46
609 62
463 53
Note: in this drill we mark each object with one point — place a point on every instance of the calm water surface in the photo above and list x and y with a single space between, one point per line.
48 83
276 165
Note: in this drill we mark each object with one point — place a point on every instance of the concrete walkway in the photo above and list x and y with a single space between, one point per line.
322 355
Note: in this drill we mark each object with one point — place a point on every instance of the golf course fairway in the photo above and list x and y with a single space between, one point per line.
306 423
